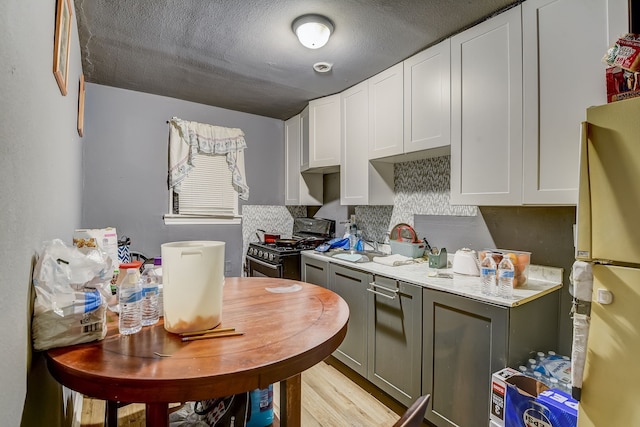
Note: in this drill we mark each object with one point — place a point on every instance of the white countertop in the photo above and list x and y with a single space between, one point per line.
542 280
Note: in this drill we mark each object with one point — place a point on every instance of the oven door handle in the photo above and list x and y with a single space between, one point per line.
262 263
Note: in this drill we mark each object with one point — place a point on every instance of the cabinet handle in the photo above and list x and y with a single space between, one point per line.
373 291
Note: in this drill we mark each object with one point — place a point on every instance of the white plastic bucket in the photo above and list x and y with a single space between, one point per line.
192 278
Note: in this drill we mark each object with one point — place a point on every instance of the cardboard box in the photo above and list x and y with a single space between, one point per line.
498 395
622 84
531 403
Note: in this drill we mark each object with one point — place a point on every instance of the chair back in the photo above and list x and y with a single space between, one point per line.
414 415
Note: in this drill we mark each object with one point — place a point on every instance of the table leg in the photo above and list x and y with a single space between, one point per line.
291 402
156 414
111 414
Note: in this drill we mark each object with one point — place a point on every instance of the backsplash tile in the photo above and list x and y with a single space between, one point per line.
278 219
374 221
421 188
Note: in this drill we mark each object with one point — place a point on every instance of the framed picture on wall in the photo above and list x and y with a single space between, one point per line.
81 107
62 41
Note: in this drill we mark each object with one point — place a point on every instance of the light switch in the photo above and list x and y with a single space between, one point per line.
605 296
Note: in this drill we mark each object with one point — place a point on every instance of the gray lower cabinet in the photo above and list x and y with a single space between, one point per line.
352 285
395 338
315 271
465 341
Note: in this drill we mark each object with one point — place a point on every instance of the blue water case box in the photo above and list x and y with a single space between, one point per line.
531 403
498 395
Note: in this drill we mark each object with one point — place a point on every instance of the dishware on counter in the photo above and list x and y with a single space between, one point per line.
192 277
465 261
403 233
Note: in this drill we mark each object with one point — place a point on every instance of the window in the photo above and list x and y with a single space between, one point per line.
207 195
207 170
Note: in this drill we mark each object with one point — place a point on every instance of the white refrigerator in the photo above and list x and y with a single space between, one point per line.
608 237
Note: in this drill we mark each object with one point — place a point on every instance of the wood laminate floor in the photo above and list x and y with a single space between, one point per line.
332 396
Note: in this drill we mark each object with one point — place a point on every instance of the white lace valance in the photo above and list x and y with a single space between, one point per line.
186 139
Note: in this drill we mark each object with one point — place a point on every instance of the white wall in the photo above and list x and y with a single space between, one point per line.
40 191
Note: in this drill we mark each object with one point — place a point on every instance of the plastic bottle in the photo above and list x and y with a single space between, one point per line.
261 401
149 285
506 273
157 265
487 275
129 297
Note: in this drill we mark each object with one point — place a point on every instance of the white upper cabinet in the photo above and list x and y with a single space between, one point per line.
300 189
427 98
304 141
563 43
324 133
486 112
385 113
361 182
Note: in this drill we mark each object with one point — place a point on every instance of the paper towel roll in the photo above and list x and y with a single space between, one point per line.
582 280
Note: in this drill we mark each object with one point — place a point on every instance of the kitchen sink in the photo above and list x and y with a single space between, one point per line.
355 256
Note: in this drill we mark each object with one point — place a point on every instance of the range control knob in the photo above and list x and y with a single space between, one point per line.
271 257
250 251
259 254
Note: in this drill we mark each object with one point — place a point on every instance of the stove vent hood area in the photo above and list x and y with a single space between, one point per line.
244 55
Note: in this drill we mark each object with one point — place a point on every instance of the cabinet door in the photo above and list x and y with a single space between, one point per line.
557 34
385 113
427 99
315 271
486 112
354 186
324 132
361 182
304 139
292 144
464 342
351 285
300 188
395 338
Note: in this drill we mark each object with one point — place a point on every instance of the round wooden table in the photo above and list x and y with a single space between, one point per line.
288 326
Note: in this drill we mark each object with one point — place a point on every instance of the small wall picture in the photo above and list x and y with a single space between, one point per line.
62 41
81 107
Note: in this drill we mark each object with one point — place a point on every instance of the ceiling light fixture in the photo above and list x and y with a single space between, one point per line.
313 31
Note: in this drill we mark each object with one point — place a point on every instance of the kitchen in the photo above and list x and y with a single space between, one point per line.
116 175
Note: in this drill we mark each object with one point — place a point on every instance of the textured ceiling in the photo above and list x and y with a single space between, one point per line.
242 54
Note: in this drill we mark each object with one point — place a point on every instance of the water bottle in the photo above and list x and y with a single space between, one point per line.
129 296
506 273
488 275
149 282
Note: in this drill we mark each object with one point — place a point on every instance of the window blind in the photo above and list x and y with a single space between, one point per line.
208 189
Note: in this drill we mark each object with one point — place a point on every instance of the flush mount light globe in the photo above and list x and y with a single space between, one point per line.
313 31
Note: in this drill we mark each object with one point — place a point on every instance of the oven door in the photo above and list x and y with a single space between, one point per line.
259 268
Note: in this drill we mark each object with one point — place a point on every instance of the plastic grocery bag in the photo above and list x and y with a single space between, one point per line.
71 287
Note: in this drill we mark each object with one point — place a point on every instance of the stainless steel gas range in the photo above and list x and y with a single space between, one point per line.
282 258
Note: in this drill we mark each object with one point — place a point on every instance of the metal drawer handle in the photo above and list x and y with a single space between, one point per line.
373 291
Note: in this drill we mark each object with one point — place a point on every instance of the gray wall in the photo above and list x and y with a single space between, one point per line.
40 171
125 167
